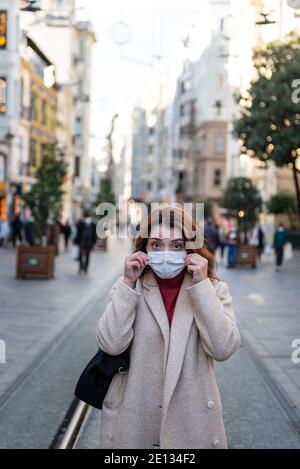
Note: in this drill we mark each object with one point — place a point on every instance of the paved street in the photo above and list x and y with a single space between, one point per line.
35 312
267 306
46 352
260 385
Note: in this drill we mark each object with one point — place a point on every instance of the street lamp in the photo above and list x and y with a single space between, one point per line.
241 215
266 20
31 7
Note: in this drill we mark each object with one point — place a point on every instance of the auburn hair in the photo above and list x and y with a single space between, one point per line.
180 218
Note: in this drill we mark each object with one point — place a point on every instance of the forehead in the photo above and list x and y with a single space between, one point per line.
163 231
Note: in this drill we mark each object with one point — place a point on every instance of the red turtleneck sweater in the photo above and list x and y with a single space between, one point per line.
169 288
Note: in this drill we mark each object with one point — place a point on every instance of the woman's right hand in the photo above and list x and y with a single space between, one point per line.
134 266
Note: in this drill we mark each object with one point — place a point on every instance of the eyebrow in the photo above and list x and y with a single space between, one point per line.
173 240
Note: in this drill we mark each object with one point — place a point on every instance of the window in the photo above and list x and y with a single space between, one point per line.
32 101
149 186
33 156
44 112
150 149
220 81
185 86
3 29
3 95
182 110
77 166
34 107
217 177
151 130
219 143
52 119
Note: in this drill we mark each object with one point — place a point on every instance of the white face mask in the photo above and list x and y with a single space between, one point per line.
167 264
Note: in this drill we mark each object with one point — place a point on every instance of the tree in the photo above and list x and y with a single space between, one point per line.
105 194
283 203
269 126
242 200
46 196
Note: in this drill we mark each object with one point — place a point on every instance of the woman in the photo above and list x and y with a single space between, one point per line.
176 318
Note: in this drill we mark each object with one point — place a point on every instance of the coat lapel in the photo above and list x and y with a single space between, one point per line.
175 338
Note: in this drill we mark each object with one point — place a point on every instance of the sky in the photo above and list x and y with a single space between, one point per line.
122 73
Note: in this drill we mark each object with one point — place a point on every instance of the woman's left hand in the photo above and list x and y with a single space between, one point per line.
197 266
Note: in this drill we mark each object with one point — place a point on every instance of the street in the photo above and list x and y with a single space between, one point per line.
49 330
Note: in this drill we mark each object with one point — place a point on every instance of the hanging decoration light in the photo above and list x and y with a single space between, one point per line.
121 33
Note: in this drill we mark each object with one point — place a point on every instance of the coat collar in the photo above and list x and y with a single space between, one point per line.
176 337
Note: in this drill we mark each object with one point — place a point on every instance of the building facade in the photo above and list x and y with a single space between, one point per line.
45 71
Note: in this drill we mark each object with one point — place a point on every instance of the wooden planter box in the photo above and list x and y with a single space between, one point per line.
246 256
294 238
35 262
101 244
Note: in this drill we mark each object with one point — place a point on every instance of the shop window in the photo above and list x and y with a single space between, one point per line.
3 95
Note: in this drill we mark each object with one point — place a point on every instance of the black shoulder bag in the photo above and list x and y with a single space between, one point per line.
95 379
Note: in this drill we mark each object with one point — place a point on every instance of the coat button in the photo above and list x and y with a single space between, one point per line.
215 443
210 404
110 436
122 370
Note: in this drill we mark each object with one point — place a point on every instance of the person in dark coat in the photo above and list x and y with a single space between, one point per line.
29 230
233 238
211 235
86 238
66 231
261 241
16 229
279 241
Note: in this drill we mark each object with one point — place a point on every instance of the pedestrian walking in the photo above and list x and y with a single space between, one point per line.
4 233
261 241
16 229
211 235
279 241
232 243
66 231
223 240
52 233
86 238
29 230
175 317
1 234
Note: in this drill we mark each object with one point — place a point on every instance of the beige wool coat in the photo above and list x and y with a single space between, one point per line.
169 397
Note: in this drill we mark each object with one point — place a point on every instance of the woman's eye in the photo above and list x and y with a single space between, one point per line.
177 246
156 245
